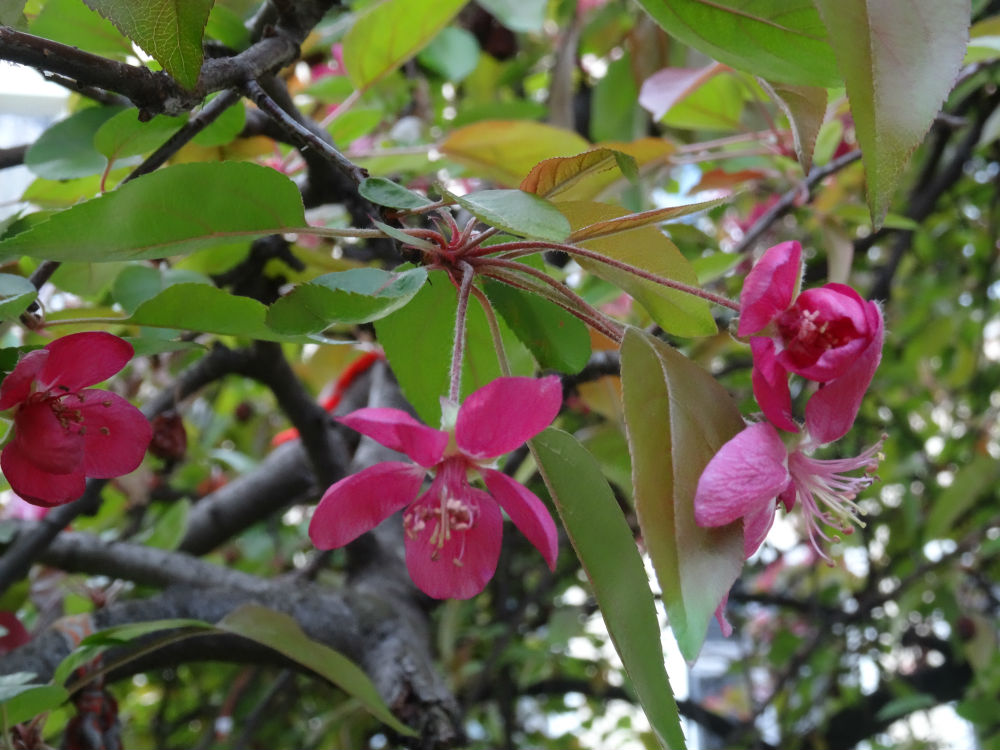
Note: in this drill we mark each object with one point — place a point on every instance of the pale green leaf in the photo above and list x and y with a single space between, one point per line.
517 212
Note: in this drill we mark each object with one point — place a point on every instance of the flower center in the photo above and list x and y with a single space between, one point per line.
828 495
806 335
65 408
445 512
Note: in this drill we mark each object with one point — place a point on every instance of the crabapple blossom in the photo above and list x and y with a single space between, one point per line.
452 530
829 335
64 431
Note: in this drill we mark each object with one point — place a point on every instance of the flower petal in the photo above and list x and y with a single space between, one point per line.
16 634
527 512
833 408
503 414
755 528
361 502
35 485
770 385
769 287
462 566
746 475
48 433
824 332
720 617
17 385
116 434
83 359
396 429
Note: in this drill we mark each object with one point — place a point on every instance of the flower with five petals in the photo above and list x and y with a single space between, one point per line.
65 431
829 335
452 530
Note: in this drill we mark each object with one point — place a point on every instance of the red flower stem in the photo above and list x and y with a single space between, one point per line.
575 305
478 240
528 247
491 321
468 273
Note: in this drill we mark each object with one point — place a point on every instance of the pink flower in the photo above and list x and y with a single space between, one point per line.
453 530
15 636
829 335
65 432
755 471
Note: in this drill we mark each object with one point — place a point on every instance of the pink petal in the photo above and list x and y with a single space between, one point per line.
745 476
755 528
666 87
396 429
527 512
16 634
503 414
35 485
17 385
842 311
83 359
833 408
720 616
116 434
52 440
770 384
361 502
769 287
464 564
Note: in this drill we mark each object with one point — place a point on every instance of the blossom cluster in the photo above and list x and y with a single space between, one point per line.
828 335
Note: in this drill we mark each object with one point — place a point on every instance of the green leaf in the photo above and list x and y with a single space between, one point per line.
21 703
614 111
12 14
628 222
418 343
135 284
66 150
506 150
281 633
225 127
359 295
453 54
71 22
677 417
805 108
169 527
608 553
390 32
716 104
559 341
170 31
906 704
200 307
647 248
128 632
406 239
517 212
780 40
970 485
388 193
517 15
125 135
553 177
175 210
895 88
16 293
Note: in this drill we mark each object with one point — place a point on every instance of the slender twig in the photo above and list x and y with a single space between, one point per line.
302 136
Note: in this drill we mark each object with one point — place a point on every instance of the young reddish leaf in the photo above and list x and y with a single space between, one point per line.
677 416
555 176
170 31
805 108
666 87
184 208
894 85
506 150
781 40
389 33
649 249
608 553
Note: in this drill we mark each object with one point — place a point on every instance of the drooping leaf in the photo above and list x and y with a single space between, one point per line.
16 293
174 210
71 22
127 632
805 108
390 32
125 135
359 295
281 633
200 307
781 40
22 702
677 416
506 150
66 150
629 222
453 54
388 193
895 88
646 248
517 212
608 553
553 177
558 340
170 31
135 284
